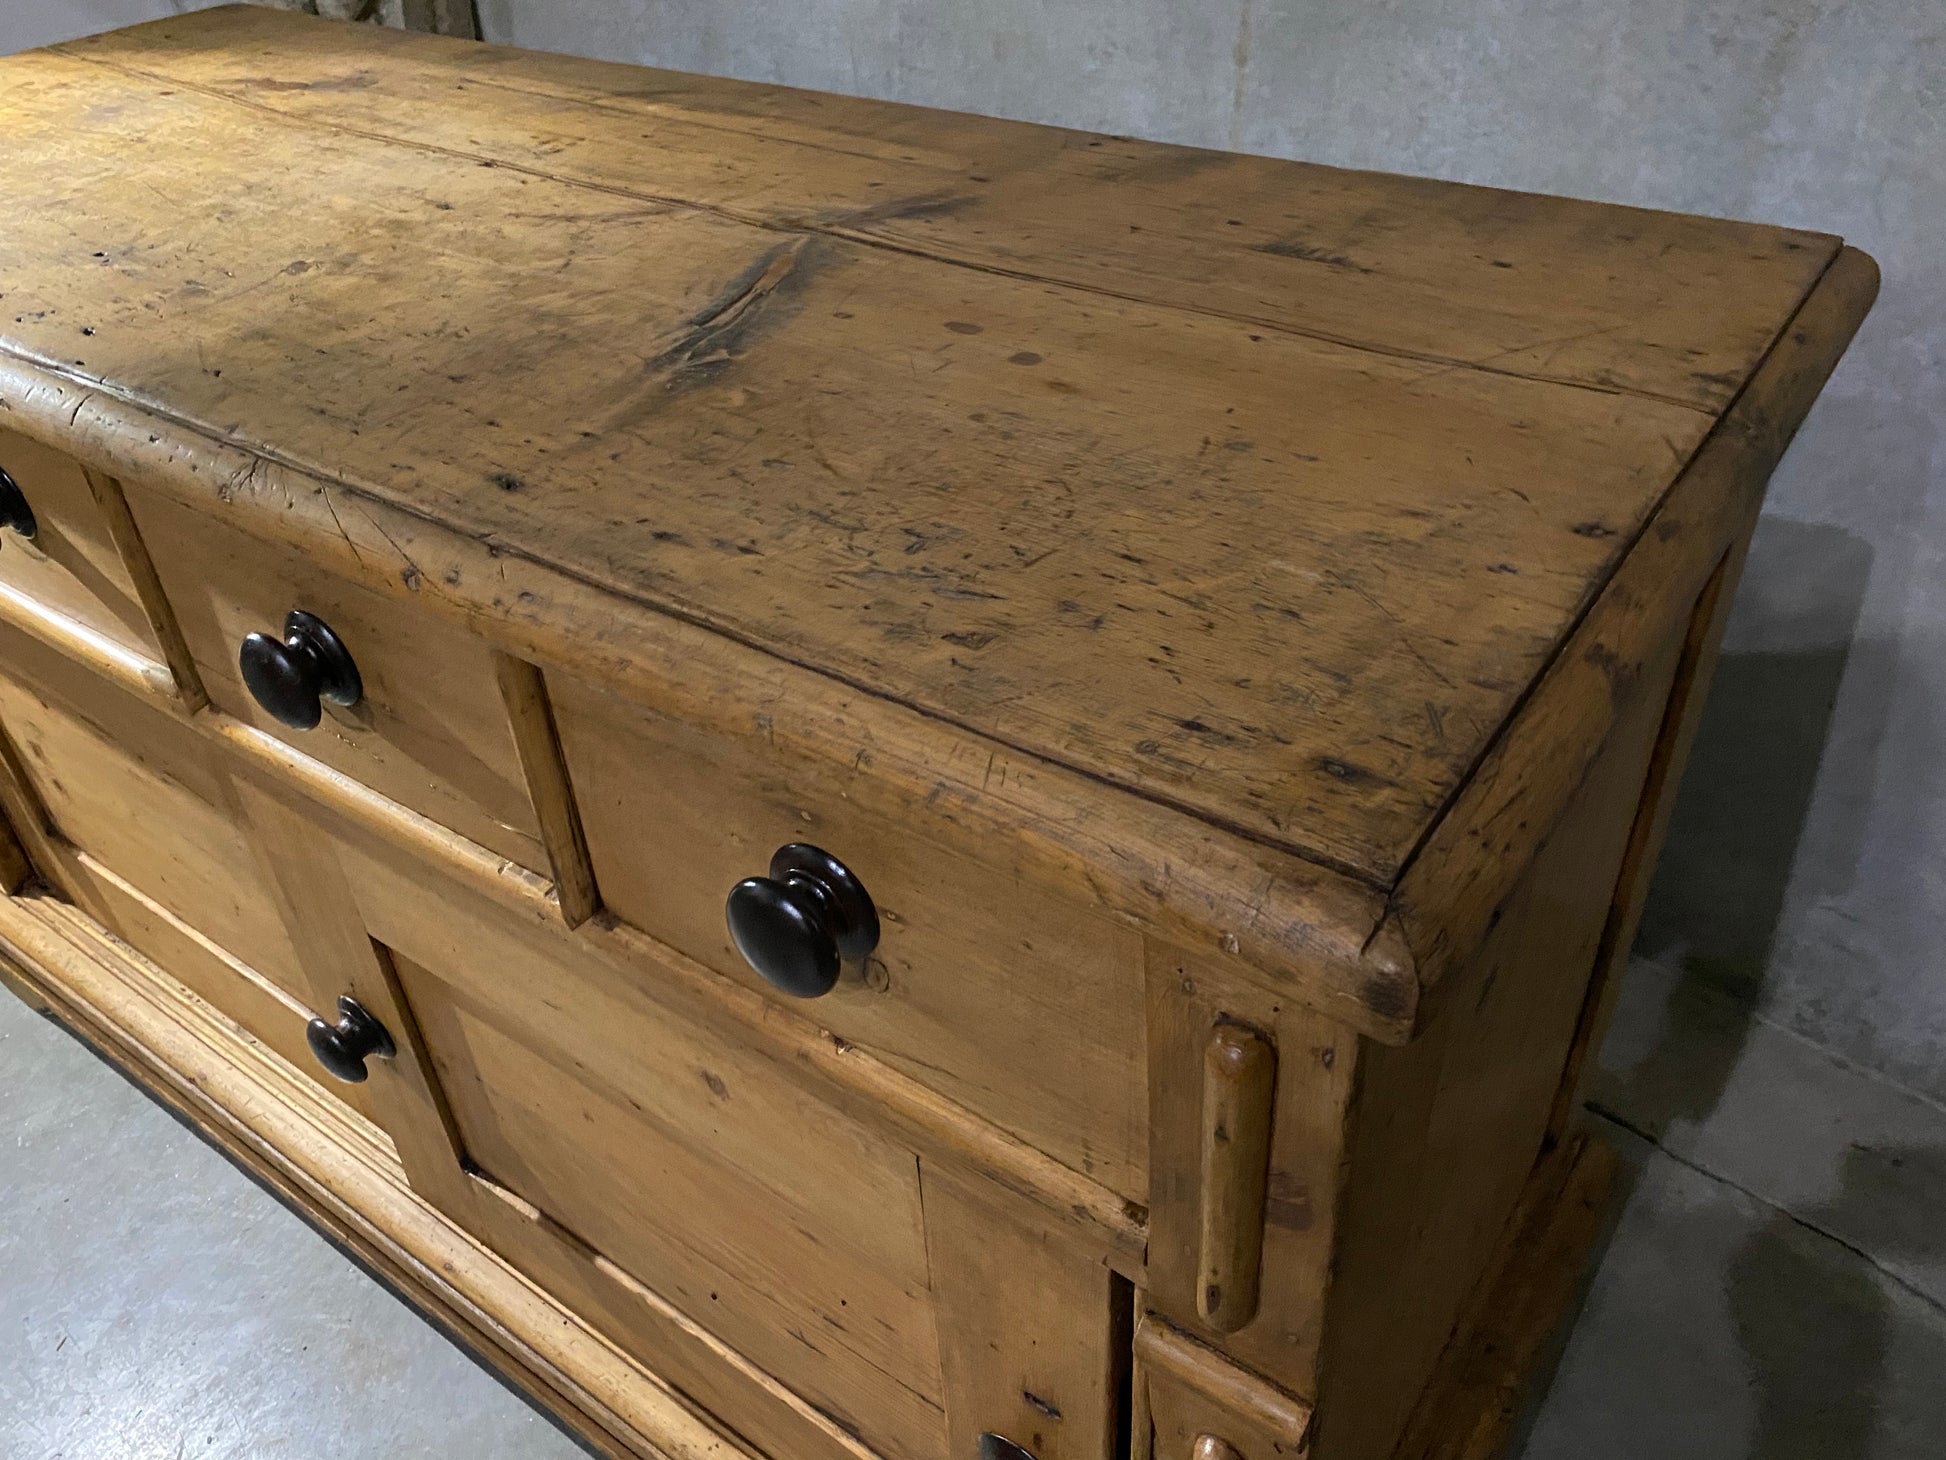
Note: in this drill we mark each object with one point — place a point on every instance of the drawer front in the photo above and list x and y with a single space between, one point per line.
71 564
146 841
430 731
698 1168
1012 1002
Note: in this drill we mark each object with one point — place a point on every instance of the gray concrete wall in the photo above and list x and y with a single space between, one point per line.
28 23
1809 857
1808 864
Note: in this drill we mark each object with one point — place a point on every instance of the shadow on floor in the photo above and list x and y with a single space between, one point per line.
1810 1315
1816 1322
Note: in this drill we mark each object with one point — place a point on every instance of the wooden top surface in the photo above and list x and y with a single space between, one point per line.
1260 489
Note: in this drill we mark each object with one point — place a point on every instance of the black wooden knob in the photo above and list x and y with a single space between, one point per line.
343 1048
14 511
291 677
798 925
993 1447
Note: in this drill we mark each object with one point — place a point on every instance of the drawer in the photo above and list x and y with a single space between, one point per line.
1011 1001
70 564
145 840
430 730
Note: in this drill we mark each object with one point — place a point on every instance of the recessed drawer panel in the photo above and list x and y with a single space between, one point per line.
143 831
70 563
1014 1002
429 729
699 1167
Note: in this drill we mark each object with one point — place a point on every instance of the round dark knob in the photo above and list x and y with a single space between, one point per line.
291 677
343 1048
798 925
993 1447
14 511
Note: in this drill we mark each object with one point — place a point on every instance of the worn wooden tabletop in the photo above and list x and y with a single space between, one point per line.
1260 489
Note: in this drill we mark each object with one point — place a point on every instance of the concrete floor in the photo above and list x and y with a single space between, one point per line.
1775 1288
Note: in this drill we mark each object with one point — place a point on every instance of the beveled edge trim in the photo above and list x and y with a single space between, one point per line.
1306 929
132 670
339 1169
1168 1350
930 1120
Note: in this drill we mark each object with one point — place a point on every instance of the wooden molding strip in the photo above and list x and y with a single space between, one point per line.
340 1172
112 503
538 745
136 673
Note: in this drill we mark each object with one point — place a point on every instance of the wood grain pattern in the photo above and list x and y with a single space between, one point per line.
1033 1334
71 566
773 1219
112 503
1037 540
1239 1088
1499 1353
538 744
431 729
309 889
263 1008
139 792
957 993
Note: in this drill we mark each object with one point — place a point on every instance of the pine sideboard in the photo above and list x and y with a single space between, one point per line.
849 781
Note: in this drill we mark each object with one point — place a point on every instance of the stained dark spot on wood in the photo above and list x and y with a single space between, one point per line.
971 639
1503 568
1592 529
1023 357
1501 264
1387 997
716 1086
1051 1411
1239 445
663 534
1619 673
1310 254
1344 770
1287 1203
1213 1297
715 336
356 81
1209 732
506 481
963 327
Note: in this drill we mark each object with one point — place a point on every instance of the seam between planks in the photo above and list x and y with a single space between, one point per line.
862 238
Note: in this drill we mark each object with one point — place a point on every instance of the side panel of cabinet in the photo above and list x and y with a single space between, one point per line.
1446 1130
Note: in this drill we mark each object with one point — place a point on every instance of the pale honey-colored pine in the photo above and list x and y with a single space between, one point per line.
1243 620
